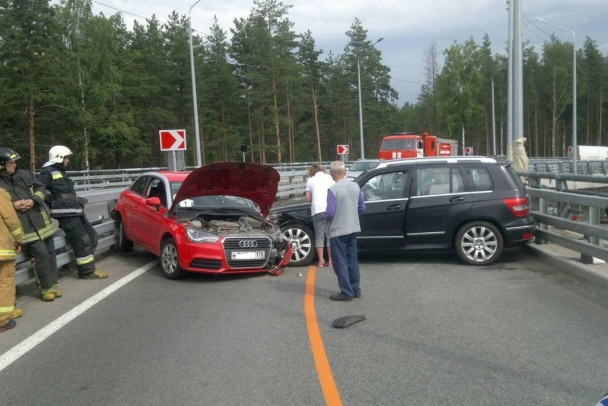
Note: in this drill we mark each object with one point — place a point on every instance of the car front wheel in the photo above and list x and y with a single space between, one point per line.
301 238
169 260
124 244
479 243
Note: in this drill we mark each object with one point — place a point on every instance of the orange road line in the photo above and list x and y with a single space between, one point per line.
326 378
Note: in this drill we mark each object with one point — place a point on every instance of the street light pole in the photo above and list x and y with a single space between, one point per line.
493 118
197 137
574 137
361 104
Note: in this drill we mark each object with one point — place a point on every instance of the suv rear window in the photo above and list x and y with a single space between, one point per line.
513 175
479 178
438 181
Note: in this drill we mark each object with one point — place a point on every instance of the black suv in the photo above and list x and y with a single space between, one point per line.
474 205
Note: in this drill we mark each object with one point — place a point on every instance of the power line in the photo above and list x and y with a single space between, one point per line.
135 15
407 81
538 28
117 9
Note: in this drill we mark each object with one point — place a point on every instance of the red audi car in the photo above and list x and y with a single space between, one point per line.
210 220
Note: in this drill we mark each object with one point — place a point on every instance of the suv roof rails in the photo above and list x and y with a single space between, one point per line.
391 162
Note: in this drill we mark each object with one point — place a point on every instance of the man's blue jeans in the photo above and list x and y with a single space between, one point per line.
346 265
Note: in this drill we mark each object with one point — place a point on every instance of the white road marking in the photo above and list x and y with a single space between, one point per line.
32 341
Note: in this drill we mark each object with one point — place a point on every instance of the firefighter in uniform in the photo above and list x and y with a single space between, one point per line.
68 209
28 199
10 240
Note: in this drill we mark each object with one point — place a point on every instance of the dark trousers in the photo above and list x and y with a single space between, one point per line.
83 238
346 264
44 262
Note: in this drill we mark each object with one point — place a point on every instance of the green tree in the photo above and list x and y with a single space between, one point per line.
222 96
376 92
427 99
30 71
556 82
459 87
308 57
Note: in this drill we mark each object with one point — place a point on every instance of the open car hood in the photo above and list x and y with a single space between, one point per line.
256 182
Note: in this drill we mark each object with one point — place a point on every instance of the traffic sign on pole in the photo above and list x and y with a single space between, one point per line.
468 151
342 149
172 140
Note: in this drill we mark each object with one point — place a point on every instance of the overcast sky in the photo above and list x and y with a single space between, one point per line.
408 26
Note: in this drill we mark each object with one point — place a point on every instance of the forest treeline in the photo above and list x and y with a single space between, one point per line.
86 81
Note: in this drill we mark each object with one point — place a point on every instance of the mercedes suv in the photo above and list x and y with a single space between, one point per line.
474 205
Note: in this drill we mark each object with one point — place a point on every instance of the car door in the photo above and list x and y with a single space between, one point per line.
153 221
385 203
131 201
439 202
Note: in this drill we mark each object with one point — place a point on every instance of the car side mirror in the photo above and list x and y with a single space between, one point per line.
153 201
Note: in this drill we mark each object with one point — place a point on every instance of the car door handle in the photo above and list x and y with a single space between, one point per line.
393 207
456 199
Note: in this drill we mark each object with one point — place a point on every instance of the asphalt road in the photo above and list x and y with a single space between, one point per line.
436 332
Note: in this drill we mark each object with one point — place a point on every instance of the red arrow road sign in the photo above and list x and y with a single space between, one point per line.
468 150
172 140
342 149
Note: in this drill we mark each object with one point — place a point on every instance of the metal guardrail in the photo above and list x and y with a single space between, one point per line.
569 215
564 165
98 213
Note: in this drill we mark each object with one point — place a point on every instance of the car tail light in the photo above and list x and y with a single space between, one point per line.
518 206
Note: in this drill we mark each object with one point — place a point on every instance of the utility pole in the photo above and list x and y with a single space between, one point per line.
510 85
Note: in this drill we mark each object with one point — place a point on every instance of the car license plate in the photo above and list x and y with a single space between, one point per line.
249 255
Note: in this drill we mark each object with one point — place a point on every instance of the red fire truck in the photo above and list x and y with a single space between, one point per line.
410 145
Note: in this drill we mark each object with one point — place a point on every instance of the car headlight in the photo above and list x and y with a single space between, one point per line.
196 235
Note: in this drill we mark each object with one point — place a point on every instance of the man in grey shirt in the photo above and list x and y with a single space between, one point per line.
344 205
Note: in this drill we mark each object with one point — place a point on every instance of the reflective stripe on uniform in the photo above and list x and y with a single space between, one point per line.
7 309
17 231
57 175
62 211
85 260
4 254
42 234
40 195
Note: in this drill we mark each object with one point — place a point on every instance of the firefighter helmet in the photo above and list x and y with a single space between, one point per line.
6 155
58 153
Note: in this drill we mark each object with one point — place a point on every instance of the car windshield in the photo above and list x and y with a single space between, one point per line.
363 166
175 187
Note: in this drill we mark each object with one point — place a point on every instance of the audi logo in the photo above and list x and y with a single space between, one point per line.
248 243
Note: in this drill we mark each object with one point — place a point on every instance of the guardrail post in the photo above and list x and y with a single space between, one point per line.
543 208
594 219
593 215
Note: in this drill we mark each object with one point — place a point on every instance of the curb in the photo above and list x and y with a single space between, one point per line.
570 265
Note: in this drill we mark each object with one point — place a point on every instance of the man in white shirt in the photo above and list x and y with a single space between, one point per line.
317 186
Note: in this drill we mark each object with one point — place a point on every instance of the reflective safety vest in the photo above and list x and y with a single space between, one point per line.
11 232
36 222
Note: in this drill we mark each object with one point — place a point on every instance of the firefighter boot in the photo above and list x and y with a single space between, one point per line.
47 295
96 274
17 313
56 291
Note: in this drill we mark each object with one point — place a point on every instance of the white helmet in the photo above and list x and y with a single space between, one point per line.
58 152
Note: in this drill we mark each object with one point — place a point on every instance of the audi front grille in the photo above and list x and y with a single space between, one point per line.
245 251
